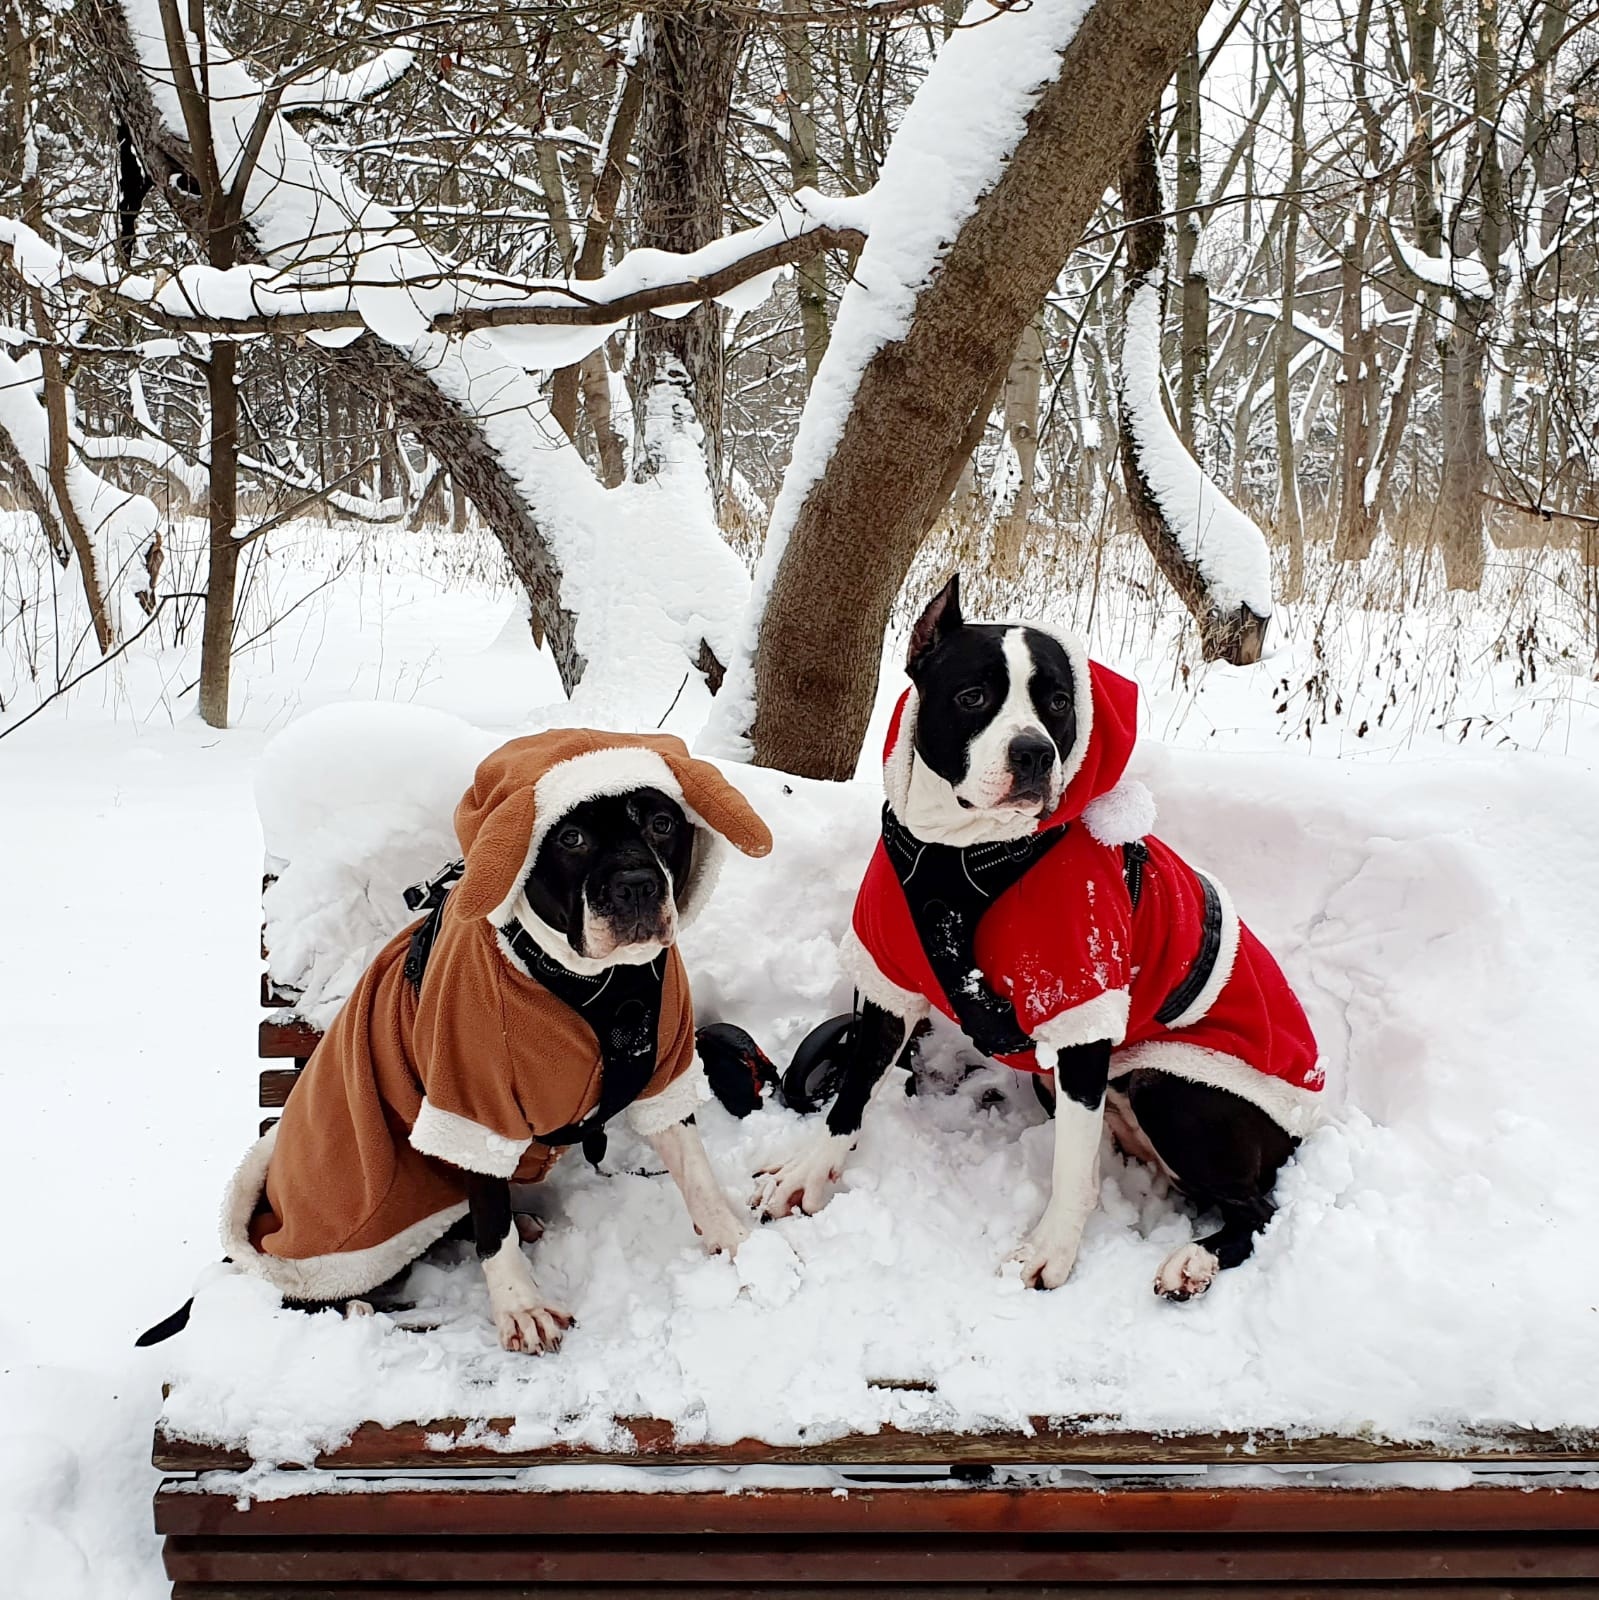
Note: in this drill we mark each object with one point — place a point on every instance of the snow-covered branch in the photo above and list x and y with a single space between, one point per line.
1220 542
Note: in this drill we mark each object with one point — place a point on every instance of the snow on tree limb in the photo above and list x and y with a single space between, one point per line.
624 583
119 525
949 151
1224 545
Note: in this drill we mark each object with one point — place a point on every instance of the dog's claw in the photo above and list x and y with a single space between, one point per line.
1186 1273
723 1235
1045 1263
533 1329
804 1182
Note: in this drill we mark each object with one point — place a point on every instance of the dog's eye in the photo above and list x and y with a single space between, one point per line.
971 699
570 838
661 824
1059 703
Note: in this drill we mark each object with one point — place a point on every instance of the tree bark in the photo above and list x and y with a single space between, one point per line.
690 57
1290 514
860 525
216 631
1193 369
799 92
1023 386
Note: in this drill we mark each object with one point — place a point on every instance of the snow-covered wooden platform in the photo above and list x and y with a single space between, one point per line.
1065 1510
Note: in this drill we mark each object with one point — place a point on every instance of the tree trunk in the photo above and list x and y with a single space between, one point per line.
1237 634
861 523
1193 371
1290 514
799 91
56 407
1023 386
690 57
216 635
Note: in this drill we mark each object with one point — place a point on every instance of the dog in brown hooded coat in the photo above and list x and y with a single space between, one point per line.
544 996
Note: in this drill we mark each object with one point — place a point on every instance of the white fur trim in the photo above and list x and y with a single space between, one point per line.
1122 814
1226 955
676 1103
464 1143
339 1275
858 966
1103 1017
1294 1110
616 770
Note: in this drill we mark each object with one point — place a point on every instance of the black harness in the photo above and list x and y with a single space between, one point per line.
948 889
622 1005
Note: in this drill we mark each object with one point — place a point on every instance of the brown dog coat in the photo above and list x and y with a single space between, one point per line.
408 1087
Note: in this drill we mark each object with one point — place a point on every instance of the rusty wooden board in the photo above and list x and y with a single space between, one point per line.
843 1561
276 1082
292 1038
1033 1509
1070 1442
930 1591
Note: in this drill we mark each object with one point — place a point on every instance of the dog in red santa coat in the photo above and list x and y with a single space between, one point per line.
1017 890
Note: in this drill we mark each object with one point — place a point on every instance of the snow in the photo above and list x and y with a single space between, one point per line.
1429 882
948 151
1221 540
119 525
1463 275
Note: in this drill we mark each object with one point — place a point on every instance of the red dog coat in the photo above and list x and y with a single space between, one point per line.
1068 947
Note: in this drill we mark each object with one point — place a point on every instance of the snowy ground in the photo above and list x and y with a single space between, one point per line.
1432 891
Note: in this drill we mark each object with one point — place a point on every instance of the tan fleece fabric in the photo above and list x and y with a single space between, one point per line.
362 1173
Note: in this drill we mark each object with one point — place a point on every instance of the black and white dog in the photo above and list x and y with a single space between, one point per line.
1017 890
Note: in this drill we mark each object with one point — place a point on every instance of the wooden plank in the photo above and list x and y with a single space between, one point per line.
1070 1442
278 1038
272 997
933 1591
929 1510
844 1562
276 1082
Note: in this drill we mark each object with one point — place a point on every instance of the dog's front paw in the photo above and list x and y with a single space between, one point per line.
722 1235
1046 1256
1186 1273
803 1182
533 1328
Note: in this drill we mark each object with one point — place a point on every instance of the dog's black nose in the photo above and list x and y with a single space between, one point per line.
635 888
1030 757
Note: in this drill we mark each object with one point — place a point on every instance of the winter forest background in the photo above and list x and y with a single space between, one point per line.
320 269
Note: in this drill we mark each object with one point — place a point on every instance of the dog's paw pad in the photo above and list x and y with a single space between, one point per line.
1186 1273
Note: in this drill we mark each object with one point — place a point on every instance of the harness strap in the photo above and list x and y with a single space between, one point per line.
622 1005
947 890
1135 855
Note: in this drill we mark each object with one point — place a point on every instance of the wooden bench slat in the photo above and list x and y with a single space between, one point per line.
1052 1443
924 1509
1447 1589
276 1082
292 1038
845 1561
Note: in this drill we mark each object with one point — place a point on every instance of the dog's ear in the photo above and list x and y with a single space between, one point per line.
498 857
718 804
941 618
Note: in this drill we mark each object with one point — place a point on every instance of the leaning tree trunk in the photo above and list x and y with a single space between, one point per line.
1226 633
689 58
921 396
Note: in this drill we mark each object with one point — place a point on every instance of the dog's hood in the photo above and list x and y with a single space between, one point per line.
1107 729
525 787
